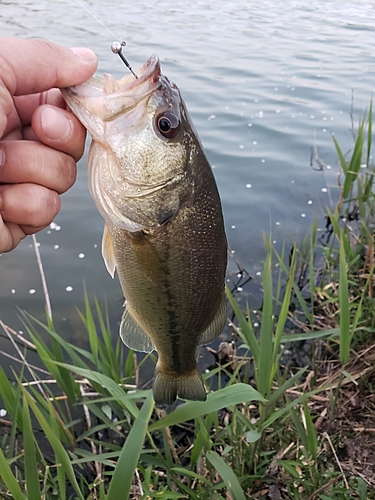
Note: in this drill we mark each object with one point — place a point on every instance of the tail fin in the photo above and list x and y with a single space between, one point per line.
167 387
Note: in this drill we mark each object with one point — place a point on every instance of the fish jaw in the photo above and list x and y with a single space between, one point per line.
101 100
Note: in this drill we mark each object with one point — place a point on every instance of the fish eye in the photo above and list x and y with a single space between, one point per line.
168 124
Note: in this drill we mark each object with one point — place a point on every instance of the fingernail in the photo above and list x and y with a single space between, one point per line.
84 53
55 124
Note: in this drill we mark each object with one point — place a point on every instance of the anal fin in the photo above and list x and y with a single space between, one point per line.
133 335
216 326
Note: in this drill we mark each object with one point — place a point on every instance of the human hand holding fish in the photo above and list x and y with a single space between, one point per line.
40 140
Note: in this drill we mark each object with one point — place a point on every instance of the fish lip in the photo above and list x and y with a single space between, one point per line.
147 79
92 99
149 71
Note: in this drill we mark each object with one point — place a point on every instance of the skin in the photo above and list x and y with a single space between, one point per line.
40 140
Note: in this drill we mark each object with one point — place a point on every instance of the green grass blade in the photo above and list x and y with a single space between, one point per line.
281 320
281 412
61 477
229 396
297 337
343 162
266 330
355 163
301 431
8 478
280 391
48 358
190 473
227 474
312 441
369 135
246 328
312 249
362 489
334 218
109 384
10 398
198 446
368 188
31 467
302 302
75 353
54 440
124 472
344 308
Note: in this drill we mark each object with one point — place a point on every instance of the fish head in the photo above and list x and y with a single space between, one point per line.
143 143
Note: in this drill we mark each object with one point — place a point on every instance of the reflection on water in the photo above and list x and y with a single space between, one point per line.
263 81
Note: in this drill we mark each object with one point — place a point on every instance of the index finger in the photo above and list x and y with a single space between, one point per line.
30 66
27 104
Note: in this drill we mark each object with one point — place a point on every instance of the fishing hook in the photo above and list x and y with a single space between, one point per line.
116 48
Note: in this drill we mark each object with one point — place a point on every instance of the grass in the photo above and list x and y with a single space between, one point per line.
79 427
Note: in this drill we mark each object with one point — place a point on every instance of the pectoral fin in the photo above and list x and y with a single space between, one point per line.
216 326
147 256
133 335
107 252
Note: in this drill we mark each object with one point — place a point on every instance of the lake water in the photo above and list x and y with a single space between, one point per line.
264 81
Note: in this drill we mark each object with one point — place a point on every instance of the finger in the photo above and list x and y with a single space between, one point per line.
26 104
31 162
30 66
10 235
59 129
28 205
27 134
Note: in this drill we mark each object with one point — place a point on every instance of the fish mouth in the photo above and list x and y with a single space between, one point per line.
150 72
108 98
147 80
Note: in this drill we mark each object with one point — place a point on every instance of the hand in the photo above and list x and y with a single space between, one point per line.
40 140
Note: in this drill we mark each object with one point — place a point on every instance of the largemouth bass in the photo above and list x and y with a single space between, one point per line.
164 230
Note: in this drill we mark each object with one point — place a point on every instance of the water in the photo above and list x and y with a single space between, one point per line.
263 81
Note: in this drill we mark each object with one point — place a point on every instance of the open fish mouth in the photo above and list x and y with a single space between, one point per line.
108 98
148 78
150 71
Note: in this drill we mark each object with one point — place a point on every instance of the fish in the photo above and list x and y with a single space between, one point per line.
164 229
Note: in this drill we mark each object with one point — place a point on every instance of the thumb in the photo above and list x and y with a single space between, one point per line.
30 66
